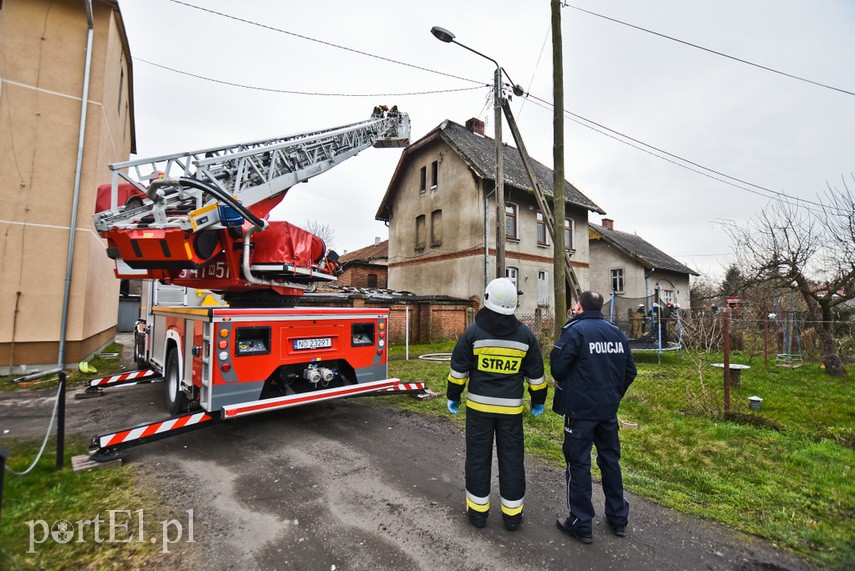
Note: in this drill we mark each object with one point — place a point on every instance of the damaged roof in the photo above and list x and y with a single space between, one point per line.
479 152
640 250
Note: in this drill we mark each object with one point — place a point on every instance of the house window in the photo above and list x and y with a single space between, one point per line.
434 174
668 294
542 237
569 234
617 280
420 232
423 181
542 287
372 280
511 221
436 228
512 273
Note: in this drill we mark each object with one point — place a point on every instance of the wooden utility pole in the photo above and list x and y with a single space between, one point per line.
558 263
500 176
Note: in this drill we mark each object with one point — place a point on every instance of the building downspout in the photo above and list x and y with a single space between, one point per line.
84 104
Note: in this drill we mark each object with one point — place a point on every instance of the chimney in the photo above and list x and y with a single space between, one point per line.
376 240
476 126
609 223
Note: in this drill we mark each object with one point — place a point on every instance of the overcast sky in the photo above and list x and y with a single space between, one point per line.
770 131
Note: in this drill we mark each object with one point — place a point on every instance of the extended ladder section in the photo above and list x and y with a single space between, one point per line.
215 187
570 274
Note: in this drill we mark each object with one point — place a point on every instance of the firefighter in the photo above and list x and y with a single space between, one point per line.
496 355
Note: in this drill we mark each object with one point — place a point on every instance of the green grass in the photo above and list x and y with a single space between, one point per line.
51 496
784 473
104 362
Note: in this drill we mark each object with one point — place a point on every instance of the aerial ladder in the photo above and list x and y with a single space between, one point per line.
201 219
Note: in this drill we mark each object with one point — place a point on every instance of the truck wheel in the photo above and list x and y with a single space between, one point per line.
139 350
176 400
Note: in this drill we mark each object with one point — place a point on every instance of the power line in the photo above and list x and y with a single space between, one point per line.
701 170
323 42
602 129
777 195
718 53
293 92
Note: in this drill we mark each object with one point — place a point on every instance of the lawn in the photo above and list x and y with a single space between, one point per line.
784 472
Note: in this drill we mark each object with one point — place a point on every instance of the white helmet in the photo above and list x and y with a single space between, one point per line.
501 296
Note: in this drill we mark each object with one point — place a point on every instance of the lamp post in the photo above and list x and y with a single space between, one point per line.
445 36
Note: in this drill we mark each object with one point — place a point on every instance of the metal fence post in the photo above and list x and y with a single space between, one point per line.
725 331
60 422
3 455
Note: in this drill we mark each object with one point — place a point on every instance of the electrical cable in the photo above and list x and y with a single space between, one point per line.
718 53
311 93
44 442
776 195
330 44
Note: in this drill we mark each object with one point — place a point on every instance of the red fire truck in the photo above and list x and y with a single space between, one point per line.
198 221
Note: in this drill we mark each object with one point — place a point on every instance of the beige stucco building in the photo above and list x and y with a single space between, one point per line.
42 70
441 209
635 271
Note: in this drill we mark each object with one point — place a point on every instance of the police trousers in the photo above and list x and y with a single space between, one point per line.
510 450
579 436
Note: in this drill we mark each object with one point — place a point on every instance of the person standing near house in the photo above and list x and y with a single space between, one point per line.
593 368
496 355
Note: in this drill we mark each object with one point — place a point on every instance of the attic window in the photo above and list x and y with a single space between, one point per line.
423 181
434 174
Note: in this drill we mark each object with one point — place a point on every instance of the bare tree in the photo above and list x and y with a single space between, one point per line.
323 231
809 248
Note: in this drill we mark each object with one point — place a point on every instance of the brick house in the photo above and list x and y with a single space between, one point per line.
366 267
440 208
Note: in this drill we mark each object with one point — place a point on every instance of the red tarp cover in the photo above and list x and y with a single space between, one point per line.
125 191
284 243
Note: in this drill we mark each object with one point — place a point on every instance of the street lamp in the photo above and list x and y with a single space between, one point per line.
444 35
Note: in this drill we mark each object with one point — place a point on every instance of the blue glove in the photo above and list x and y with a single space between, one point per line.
453 406
536 409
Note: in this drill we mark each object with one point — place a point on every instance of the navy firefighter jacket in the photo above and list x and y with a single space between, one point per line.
496 355
593 368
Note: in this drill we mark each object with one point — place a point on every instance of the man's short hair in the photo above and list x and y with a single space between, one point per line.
591 301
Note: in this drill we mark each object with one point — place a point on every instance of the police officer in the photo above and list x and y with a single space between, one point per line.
496 354
593 368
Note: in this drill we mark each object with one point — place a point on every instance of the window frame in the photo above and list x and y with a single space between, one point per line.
515 277
436 237
540 220
516 221
421 236
620 276
571 234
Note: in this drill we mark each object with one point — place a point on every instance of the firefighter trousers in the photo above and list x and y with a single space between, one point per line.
510 451
579 436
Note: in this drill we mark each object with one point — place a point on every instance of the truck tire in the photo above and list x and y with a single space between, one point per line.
176 399
139 350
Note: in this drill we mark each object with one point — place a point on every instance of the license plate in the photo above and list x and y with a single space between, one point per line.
317 343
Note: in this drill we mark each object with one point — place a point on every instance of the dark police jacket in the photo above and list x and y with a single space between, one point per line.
592 366
495 355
